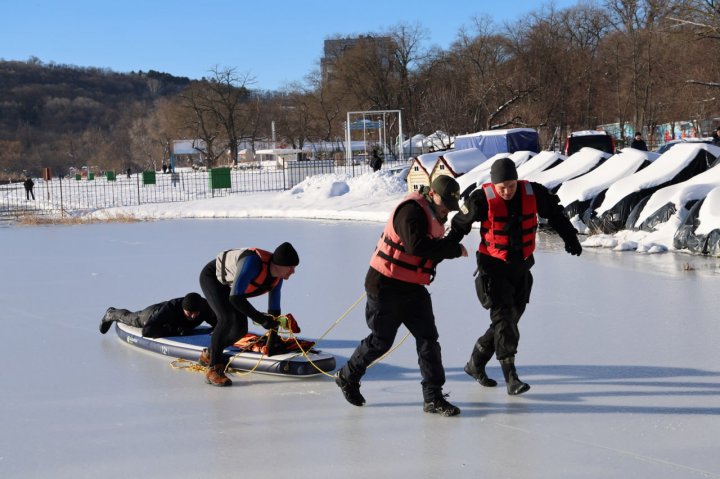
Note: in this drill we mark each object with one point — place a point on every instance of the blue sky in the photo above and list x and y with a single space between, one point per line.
276 42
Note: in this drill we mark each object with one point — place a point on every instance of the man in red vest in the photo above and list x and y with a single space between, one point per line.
507 210
404 262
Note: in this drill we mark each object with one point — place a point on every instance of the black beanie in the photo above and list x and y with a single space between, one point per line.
192 302
285 255
503 169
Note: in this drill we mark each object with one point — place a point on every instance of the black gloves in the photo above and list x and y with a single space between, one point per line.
269 322
462 222
572 246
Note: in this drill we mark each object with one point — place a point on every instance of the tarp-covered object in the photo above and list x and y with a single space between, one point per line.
678 198
576 194
492 142
462 161
540 162
575 165
677 165
700 232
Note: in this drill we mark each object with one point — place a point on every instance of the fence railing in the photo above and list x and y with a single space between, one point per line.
70 195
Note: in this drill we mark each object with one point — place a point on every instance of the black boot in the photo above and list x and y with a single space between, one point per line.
350 389
106 321
514 385
441 406
476 366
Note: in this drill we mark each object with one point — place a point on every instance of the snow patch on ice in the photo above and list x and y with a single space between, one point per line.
600 241
579 225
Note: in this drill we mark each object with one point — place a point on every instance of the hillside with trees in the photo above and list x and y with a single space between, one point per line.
637 63
60 116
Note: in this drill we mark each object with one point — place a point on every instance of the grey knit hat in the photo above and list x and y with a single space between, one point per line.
502 170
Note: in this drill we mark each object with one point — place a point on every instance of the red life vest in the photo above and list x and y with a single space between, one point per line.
258 284
390 258
494 241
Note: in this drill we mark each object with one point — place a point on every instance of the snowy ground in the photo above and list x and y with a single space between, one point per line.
620 349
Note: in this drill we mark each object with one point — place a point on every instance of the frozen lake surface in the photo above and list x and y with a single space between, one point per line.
620 350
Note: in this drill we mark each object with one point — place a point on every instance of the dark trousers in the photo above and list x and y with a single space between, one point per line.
137 319
29 193
232 325
384 314
506 290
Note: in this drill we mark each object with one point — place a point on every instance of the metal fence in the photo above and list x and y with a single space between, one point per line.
61 196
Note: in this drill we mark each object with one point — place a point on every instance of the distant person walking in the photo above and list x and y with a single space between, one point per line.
638 143
376 160
29 184
716 137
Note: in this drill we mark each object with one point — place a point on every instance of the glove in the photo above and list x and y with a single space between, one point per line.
268 322
573 246
287 322
462 222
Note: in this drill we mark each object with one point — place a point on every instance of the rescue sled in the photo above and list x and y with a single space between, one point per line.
249 354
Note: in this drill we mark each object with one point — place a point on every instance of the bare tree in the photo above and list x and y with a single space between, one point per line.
409 53
227 94
640 41
220 113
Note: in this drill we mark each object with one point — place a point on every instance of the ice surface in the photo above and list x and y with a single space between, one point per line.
620 350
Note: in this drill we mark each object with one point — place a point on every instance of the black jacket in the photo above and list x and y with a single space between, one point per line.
410 223
639 145
168 319
476 207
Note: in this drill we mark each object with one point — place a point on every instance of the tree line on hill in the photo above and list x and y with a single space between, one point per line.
633 62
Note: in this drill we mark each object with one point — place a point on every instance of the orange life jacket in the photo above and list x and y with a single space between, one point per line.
257 285
390 258
494 241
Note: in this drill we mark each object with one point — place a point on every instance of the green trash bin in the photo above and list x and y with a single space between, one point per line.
78 176
110 175
91 176
219 178
148 177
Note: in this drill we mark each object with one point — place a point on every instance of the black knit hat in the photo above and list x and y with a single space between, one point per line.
192 302
285 255
448 190
503 169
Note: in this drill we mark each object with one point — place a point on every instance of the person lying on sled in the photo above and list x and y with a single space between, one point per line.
227 282
175 317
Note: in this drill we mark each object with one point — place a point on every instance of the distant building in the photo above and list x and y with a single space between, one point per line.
334 49
420 168
455 163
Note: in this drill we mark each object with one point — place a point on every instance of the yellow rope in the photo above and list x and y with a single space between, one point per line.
250 371
342 316
305 353
194 366
332 326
